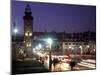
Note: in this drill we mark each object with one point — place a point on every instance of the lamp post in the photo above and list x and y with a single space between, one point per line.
70 50
50 41
15 31
81 50
88 48
40 46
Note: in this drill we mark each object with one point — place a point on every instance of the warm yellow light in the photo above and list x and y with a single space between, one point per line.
26 34
30 34
88 46
27 45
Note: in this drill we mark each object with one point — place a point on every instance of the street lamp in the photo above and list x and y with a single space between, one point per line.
81 50
50 41
88 46
40 46
15 31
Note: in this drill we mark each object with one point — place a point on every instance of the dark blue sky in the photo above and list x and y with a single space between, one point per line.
58 17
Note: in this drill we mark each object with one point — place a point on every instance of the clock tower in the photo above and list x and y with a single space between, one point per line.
28 31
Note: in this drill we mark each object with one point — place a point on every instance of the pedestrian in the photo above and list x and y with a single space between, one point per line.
50 64
72 65
55 62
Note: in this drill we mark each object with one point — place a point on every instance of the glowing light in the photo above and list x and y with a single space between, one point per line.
49 40
30 34
15 31
80 47
26 34
27 45
88 46
70 47
94 49
40 46
81 50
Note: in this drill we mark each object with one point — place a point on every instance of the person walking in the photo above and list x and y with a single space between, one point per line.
55 62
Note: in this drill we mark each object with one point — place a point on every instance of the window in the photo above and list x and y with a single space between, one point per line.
73 43
66 43
69 43
85 43
76 43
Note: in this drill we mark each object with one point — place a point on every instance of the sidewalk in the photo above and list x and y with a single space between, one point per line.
29 66
61 67
86 64
90 61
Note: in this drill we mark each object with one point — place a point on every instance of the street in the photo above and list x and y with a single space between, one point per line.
83 65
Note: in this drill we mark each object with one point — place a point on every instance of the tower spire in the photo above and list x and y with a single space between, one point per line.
27 9
28 13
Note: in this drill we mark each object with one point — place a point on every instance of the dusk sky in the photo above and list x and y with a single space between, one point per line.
57 17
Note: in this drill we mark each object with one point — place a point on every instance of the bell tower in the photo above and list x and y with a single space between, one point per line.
28 31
